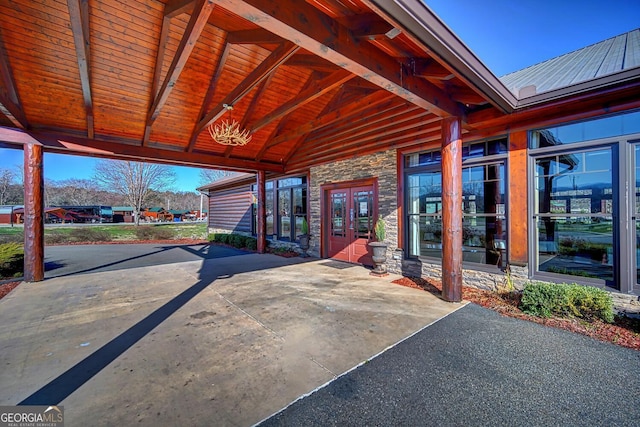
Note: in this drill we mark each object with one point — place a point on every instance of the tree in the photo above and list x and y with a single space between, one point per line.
133 180
208 176
6 180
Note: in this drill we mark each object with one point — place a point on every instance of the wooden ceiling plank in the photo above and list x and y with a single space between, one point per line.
257 36
321 35
364 119
79 18
215 77
174 8
316 90
311 61
202 11
340 113
10 104
383 126
278 57
313 77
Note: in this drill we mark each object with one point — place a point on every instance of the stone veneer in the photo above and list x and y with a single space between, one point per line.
380 165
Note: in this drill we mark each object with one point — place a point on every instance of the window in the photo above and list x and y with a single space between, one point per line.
584 224
484 217
286 206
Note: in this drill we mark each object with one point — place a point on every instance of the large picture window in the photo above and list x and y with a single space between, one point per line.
483 198
584 201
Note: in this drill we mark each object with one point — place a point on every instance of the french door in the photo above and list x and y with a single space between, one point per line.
351 219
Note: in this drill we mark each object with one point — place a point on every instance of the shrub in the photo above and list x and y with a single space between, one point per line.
251 243
89 235
11 259
154 233
56 237
237 240
219 238
564 300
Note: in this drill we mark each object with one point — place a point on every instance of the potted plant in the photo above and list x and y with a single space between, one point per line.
379 248
304 237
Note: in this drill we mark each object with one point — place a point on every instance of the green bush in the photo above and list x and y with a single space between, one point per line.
237 240
11 259
567 300
251 243
219 238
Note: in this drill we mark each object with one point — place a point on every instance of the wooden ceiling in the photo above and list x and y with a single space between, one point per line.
313 81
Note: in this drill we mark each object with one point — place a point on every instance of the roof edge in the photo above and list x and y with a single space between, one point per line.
428 29
619 77
235 179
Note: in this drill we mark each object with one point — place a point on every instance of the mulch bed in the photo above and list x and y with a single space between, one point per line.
624 331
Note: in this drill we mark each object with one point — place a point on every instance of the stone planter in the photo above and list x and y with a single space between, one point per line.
304 244
379 258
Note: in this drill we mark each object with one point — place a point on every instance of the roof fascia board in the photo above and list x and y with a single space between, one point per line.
414 16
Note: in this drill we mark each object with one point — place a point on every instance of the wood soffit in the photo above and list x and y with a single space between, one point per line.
315 81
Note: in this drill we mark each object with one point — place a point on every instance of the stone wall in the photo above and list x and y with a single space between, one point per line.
380 165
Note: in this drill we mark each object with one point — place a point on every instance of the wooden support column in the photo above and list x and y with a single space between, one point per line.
518 199
262 214
33 213
451 209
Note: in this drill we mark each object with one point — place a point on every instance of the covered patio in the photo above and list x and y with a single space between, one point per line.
310 83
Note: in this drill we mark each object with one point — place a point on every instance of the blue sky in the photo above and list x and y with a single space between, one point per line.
507 35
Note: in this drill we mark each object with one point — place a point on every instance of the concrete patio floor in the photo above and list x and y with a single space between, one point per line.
225 341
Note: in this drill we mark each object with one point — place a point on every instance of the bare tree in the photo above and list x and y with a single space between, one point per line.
133 180
7 177
208 176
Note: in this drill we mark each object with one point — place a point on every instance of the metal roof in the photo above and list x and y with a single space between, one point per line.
607 57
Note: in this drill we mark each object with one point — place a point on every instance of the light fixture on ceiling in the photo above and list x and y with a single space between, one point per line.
229 132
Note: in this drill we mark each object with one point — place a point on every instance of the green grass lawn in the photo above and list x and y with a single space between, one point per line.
60 234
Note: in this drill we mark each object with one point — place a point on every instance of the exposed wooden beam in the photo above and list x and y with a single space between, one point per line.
350 110
68 144
162 47
10 104
174 8
261 72
316 32
249 112
316 90
79 18
311 61
198 21
222 60
370 26
257 36
429 69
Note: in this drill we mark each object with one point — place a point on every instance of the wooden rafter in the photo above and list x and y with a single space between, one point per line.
258 36
370 27
331 106
250 110
79 17
261 72
196 25
316 90
174 8
338 114
313 77
10 104
317 33
311 61
215 77
429 69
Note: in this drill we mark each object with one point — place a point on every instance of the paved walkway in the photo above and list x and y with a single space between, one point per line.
477 368
225 340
